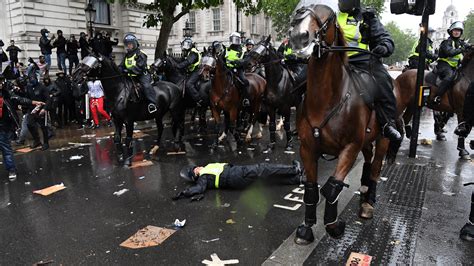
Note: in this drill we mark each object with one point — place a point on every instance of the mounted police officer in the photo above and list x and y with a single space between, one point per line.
234 56
298 68
135 65
192 59
363 29
450 55
414 56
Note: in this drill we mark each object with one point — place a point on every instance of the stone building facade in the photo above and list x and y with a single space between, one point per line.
22 21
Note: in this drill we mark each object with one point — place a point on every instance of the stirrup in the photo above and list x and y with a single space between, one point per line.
245 102
151 108
437 100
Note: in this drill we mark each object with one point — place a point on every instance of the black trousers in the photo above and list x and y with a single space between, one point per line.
73 62
446 74
191 84
239 177
150 94
244 86
385 102
35 121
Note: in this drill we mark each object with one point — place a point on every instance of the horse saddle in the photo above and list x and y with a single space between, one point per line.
433 78
365 84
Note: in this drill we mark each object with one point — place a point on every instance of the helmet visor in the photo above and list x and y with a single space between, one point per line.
186 45
235 40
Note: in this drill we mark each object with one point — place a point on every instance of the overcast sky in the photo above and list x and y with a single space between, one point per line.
411 22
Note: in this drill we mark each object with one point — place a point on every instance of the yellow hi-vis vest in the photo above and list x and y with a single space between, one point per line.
414 53
454 60
231 56
288 51
130 62
193 66
351 31
215 169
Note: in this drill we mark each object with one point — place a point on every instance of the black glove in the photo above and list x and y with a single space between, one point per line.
380 50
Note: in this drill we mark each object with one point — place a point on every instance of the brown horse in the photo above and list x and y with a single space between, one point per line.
334 119
225 96
453 99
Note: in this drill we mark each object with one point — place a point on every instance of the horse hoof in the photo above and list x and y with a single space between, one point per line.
304 235
336 230
366 211
464 154
440 137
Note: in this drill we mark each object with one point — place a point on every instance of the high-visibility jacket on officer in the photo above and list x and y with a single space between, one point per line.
414 56
362 29
134 64
234 60
224 175
450 56
190 65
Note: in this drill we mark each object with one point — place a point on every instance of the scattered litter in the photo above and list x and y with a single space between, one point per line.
79 144
121 184
289 152
233 212
357 222
149 236
176 153
141 164
267 159
230 221
358 259
121 192
88 136
211 240
250 148
108 251
27 183
394 192
141 177
215 260
424 208
383 178
50 190
225 205
426 141
75 157
447 193
240 152
24 150
357 192
395 242
41 262
250 227
179 224
9 203
154 149
197 144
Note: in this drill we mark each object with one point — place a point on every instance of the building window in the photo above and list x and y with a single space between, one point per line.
192 20
216 19
253 27
102 16
267 26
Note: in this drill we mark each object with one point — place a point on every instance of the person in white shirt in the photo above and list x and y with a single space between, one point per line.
96 93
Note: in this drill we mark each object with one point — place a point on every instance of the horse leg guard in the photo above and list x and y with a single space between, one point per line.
408 131
129 149
463 153
304 233
332 189
289 136
334 228
368 193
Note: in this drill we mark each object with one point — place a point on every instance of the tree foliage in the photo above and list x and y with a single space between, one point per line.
403 43
469 27
163 14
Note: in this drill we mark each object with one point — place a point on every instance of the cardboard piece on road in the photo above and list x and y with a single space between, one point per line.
25 150
358 259
50 190
149 236
141 164
426 142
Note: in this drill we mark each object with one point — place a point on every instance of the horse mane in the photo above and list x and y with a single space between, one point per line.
467 57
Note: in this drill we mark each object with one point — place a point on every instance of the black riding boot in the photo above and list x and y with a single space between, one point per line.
149 91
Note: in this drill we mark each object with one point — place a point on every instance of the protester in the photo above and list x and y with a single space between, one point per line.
84 45
96 93
60 45
35 116
13 52
109 45
72 47
46 47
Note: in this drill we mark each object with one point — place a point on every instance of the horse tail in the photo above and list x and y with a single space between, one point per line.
393 147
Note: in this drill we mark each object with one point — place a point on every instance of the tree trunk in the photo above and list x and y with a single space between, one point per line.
162 42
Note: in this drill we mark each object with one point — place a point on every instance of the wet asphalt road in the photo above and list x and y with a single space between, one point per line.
85 223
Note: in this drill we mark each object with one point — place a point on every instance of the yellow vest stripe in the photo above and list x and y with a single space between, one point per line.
214 169
352 33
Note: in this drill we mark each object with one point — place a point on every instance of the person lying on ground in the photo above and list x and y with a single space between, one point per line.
225 175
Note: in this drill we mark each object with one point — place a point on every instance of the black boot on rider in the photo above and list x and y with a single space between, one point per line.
390 132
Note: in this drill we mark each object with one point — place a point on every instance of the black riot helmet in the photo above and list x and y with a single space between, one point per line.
347 6
188 174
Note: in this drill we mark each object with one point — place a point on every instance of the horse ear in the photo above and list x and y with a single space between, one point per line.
269 38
